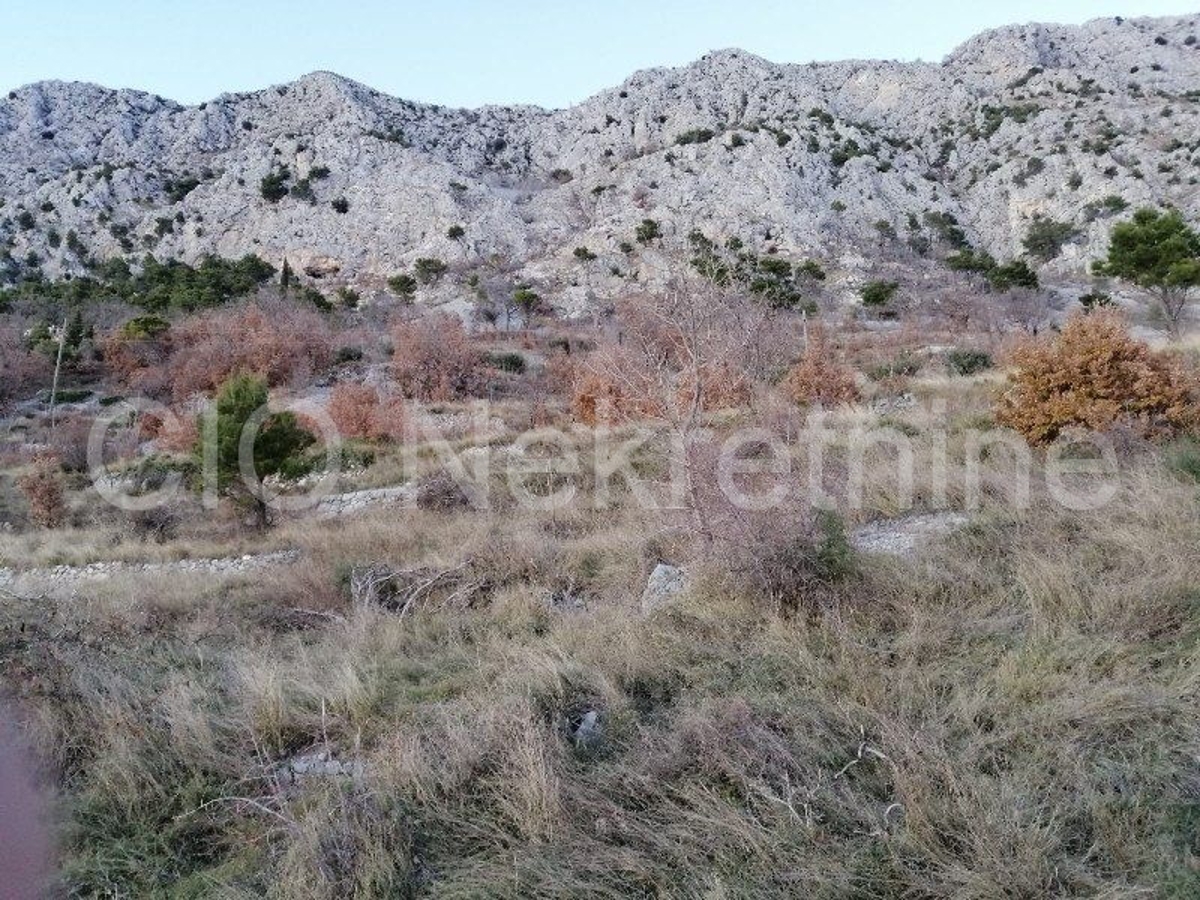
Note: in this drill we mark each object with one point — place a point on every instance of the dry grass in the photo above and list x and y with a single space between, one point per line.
1013 714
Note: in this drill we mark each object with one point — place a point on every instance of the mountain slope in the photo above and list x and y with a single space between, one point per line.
821 159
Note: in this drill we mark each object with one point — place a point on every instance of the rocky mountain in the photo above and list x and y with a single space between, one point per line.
1060 125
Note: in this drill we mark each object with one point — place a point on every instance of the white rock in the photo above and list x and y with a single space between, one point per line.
904 536
664 584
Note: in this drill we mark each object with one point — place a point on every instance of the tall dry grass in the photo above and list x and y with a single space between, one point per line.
1012 713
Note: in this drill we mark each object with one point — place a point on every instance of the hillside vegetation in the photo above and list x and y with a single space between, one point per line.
754 482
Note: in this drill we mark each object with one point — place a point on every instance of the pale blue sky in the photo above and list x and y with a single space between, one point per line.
470 52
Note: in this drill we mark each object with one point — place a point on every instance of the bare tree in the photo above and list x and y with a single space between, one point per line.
680 354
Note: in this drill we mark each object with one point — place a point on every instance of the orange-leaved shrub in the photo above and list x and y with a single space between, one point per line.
21 371
275 340
686 350
1094 376
615 386
178 433
819 378
433 359
136 353
360 411
43 492
607 390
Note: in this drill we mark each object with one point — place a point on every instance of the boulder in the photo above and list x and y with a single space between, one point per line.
664 584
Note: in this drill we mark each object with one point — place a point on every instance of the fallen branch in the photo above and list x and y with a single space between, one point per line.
402 590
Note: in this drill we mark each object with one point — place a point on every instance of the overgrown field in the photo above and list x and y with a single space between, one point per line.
1011 712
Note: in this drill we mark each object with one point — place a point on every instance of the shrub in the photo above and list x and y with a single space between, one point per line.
696 136
274 340
433 359
903 366
140 344
843 153
359 411
947 229
69 441
878 293
455 232
273 186
159 286
513 363
648 231
968 260
1000 277
685 353
316 298
429 269
528 301
340 205
441 492
177 434
1094 376
1011 275
403 286
819 379
1096 300
1183 458
43 492
788 564
21 372
584 254
302 190
1046 238
615 387
968 362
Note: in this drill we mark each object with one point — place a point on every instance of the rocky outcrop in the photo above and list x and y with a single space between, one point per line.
838 160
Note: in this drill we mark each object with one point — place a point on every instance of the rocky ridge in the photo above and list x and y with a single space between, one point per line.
841 161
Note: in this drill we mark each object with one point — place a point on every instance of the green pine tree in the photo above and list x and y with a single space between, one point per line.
76 331
279 440
1160 253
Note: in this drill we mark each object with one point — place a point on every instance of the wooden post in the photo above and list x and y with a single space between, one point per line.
62 341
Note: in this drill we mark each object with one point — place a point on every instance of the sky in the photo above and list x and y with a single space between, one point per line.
470 52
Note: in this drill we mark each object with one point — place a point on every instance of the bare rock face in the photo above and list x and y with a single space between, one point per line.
837 160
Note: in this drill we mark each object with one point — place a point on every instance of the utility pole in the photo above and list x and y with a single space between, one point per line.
62 343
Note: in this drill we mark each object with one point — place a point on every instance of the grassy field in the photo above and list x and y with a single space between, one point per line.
1013 712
